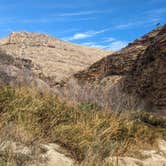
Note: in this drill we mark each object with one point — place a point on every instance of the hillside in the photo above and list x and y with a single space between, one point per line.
50 60
131 79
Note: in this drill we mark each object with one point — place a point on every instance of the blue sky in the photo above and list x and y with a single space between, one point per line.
107 24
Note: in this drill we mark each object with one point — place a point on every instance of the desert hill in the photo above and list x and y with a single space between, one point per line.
49 60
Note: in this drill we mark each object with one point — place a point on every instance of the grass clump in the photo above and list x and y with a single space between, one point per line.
85 130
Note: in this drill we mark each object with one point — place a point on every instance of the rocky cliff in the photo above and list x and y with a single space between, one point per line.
133 78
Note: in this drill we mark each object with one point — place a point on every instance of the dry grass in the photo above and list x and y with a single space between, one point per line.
86 131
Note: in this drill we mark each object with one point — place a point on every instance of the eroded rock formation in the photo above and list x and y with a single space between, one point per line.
133 78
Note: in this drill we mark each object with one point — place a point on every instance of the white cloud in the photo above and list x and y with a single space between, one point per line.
88 43
80 36
114 45
84 35
110 39
117 45
94 44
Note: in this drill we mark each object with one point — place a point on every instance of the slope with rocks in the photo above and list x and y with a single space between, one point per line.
133 78
52 60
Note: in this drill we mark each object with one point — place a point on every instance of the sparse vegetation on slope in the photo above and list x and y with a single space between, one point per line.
89 134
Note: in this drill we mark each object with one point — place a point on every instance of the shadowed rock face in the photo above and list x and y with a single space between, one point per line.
29 56
120 63
133 78
147 77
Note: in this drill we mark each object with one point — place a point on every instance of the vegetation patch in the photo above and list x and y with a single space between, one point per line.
85 130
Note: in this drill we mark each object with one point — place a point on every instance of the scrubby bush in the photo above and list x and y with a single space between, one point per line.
84 129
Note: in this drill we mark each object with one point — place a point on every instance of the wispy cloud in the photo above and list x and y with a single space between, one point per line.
156 11
29 5
110 39
124 26
66 31
95 45
136 23
39 20
147 18
83 35
82 13
51 20
115 44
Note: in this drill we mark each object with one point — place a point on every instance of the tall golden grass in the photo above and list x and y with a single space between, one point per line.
88 132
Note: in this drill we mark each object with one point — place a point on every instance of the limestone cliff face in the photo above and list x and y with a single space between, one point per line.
133 78
49 60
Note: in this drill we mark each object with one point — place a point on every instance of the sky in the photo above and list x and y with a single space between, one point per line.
106 24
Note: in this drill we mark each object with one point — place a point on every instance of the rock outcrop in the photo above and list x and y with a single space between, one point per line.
34 155
133 78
